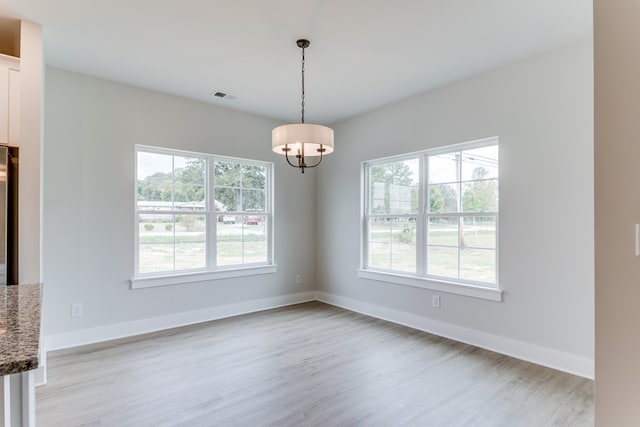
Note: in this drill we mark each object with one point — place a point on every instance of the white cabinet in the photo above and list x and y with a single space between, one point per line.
9 100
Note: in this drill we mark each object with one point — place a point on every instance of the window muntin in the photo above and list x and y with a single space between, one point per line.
180 230
452 235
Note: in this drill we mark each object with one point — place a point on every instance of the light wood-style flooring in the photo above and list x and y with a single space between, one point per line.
304 365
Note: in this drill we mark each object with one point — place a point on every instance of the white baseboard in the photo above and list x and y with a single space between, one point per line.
562 361
143 326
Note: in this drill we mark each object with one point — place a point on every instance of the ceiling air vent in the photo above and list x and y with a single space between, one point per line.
223 95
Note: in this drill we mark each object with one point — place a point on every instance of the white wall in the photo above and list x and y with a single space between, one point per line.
542 110
617 211
91 127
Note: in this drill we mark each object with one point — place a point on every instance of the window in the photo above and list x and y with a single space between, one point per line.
393 212
433 216
241 235
200 217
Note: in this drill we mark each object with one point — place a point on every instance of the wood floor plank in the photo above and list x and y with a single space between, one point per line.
305 365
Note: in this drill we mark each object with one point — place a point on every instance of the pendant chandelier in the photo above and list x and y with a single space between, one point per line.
302 140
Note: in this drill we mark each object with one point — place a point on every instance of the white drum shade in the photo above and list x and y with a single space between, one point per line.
294 135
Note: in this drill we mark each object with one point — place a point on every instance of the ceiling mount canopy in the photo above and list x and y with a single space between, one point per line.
302 139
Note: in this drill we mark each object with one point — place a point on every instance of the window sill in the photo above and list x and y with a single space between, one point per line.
201 276
481 292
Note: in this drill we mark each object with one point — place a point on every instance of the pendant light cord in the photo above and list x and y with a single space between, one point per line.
303 85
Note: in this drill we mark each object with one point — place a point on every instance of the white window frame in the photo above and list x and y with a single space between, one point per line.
420 278
211 271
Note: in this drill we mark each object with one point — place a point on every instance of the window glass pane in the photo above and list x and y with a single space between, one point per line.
443 168
254 177
154 180
189 185
170 182
478 265
378 197
443 198
380 230
241 239
240 187
442 261
229 240
228 199
403 199
479 232
480 163
190 241
380 255
480 196
253 200
403 246
255 240
155 243
380 237
394 187
229 252
227 174
443 231
392 244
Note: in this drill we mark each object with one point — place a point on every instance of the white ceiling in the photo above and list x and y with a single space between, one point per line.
363 53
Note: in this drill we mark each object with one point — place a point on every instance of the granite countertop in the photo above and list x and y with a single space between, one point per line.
19 327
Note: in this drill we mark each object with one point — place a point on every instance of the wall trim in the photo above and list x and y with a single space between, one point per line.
154 324
566 362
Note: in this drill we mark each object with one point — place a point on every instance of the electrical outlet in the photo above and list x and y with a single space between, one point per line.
76 310
435 301
298 279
